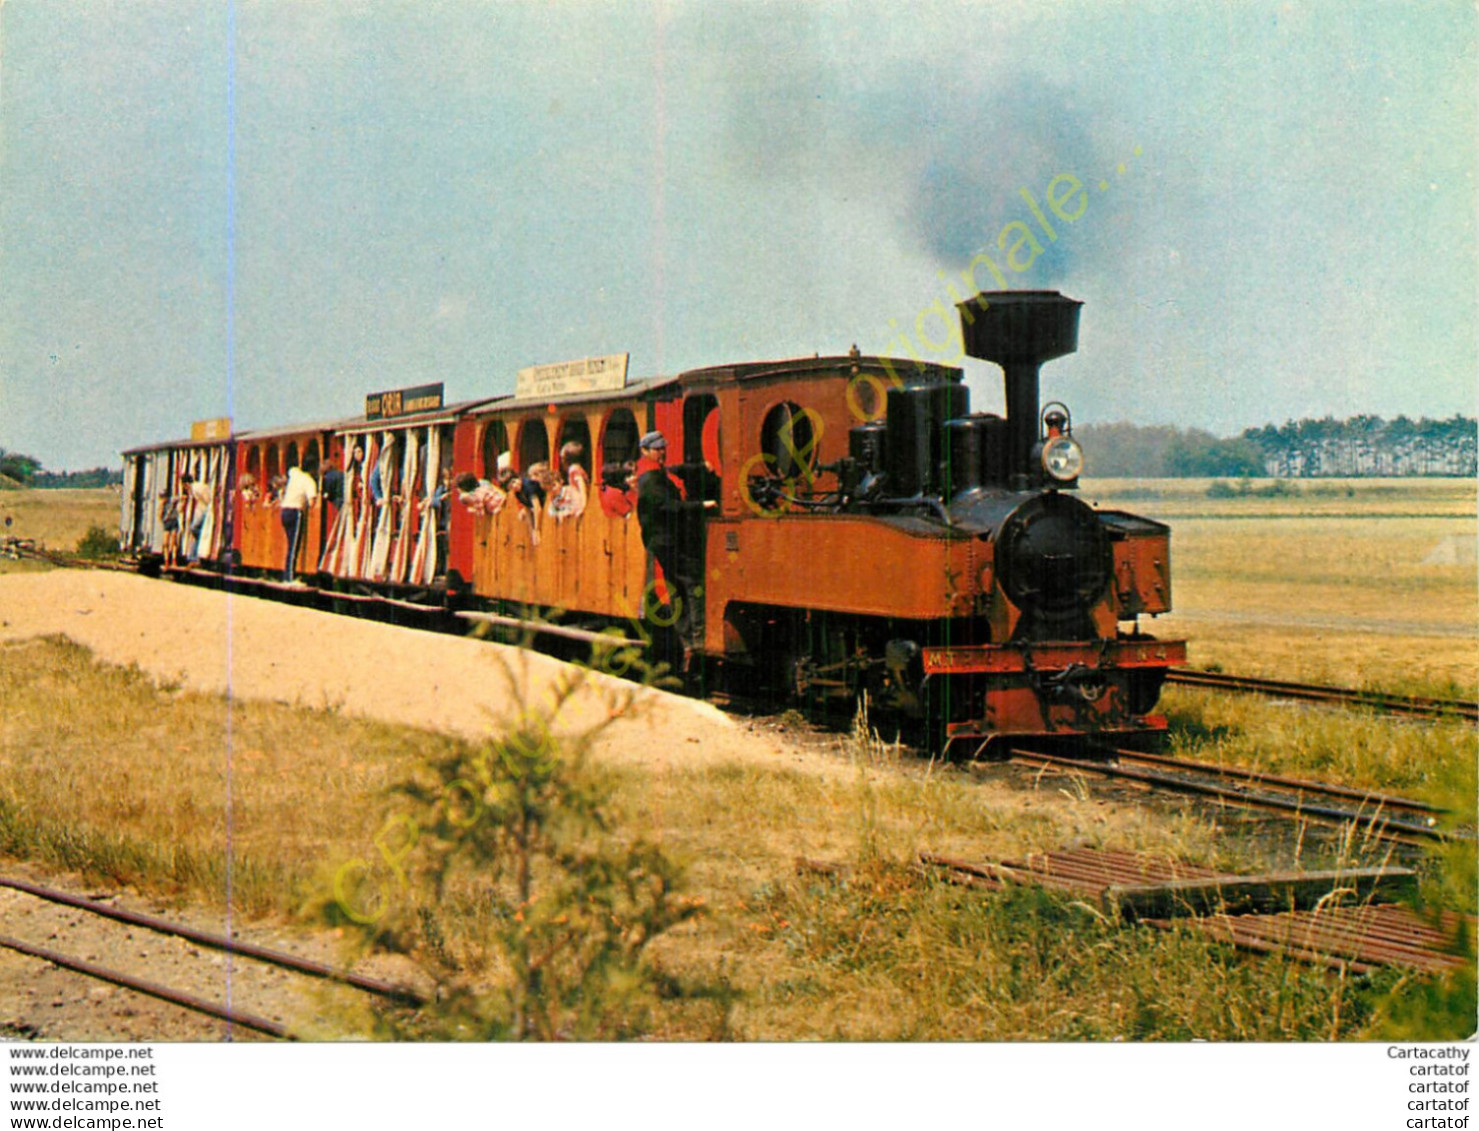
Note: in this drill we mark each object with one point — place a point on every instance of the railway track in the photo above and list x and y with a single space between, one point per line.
18 549
402 995
1382 815
1410 705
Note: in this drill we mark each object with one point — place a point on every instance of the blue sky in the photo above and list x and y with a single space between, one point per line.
268 209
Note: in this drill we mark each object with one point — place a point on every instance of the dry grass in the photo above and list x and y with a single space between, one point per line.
1188 498
106 772
103 771
1322 586
55 520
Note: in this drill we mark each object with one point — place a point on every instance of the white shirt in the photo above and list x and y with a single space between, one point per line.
301 491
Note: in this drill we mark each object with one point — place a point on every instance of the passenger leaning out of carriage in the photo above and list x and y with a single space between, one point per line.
569 501
618 489
672 532
478 495
533 493
354 476
299 495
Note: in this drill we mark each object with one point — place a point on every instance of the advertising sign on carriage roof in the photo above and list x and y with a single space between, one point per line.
403 402
216 429
565 378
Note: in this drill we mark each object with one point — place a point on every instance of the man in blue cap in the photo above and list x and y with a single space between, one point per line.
672 532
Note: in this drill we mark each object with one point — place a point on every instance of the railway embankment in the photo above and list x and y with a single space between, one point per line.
208 641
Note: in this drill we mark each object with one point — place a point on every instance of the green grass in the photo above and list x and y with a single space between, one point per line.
103 770
887 954
1429 761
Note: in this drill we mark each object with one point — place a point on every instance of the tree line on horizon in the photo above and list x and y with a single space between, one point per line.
20 470
1363 445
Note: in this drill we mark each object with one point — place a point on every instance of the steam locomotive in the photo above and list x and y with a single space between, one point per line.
868 532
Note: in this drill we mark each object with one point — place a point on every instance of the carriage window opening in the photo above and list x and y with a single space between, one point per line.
619 438
446 441
701 446
618 454
270 472
788 438
533 443
385 471
251 479
495 443
310 458
698 410
291 460
574 430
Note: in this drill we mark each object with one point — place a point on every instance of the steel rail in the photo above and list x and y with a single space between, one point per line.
1239 773
1422 706
220 942
1383 825
67 561
152 989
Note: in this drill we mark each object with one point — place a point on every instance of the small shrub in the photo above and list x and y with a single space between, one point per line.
518 837
97 543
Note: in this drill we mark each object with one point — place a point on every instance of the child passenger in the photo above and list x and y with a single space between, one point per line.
478 495
570 500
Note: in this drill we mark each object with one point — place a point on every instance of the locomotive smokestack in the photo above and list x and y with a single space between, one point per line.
1019 330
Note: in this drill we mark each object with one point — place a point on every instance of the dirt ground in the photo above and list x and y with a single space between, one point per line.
258 649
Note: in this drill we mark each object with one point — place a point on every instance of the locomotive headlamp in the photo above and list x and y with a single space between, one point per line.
1062 459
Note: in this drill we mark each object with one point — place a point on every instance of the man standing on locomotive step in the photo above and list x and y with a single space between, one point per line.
300 493
672 532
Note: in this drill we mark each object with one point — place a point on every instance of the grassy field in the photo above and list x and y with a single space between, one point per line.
1356 583
55 520
103 771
